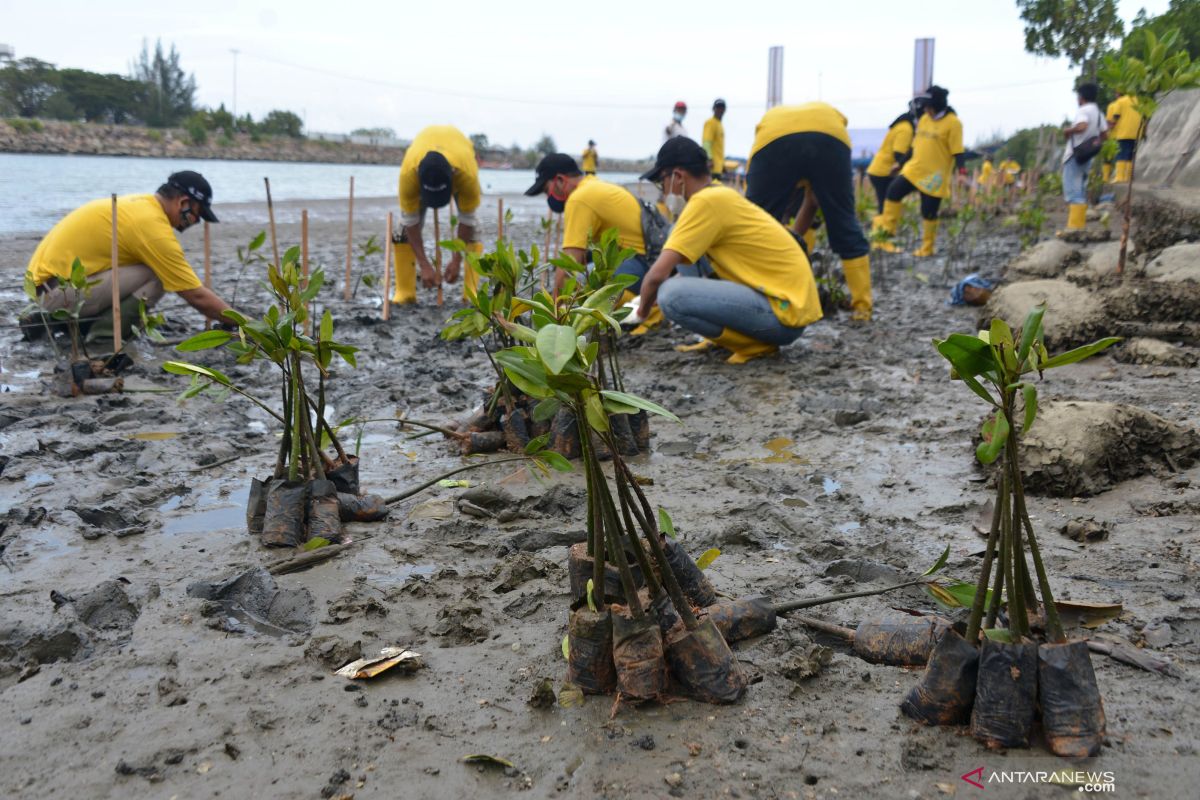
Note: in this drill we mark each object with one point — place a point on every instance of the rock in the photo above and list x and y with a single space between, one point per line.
332 652
107 607
1084 529
1084 447
1101 262
1074 315
1046 259
255 595
846 419
64 641
1142 350
1176 264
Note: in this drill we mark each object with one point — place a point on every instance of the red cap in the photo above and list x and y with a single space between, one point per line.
681 105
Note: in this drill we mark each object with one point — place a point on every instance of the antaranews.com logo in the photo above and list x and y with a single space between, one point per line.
1085 780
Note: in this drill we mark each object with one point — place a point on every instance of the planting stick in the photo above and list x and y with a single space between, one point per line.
271 218
207 255
304 261
407 493
116 282
500 218
826 627
387 270
796 605
349 242
437 254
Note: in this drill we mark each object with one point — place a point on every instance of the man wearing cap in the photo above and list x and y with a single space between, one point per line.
800 161
590 158
675 126
440 164
765 293
149 256
713 139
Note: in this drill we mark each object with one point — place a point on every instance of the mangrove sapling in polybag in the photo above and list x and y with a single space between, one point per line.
995 365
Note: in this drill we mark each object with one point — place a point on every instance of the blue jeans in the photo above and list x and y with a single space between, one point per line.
639 266
1074 179
708 307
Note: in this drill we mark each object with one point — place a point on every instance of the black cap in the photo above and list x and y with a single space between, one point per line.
436 178
548 167
719 103
678 152
194 186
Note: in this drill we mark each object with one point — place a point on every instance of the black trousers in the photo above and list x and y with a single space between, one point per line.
881 186
902 187
823 161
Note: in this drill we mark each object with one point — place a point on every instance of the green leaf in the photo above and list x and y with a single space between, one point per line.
566 647
257 241
184 368
937 565
591 601
638 402
556 461
954 595
537 443
602 299
995 434
1080 353
546 409
315 543
707 558
594 411
204 341
665 524
526 374
614 407
1030 394
326 326
969 355
998 635
1031 330
556 346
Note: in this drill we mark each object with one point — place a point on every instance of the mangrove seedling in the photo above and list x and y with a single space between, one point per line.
248 256
366 250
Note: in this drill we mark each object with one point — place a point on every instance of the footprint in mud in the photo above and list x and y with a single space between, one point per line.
521 568
109 607
461 624
108 518
253 601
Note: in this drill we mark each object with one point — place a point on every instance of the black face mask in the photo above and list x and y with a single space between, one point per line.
556 205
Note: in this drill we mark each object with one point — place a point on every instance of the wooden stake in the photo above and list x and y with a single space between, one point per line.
500 219
271 217
437 254
349 242
387 270
557 233
116 281
207 255
308 326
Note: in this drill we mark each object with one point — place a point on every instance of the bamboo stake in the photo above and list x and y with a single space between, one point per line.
437 254
349 242
557 233
304 260
116 282
207 255
387 270
271 217
500 219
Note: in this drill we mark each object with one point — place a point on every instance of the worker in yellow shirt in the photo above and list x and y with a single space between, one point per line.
1009 169
893 151
764 294
440 164
149 256
801 160
590 158
937 154
986 173
714 139
1126 124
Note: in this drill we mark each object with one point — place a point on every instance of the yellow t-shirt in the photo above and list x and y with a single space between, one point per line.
1010 169
1124 118
937 142
594 207
807 118
714 143
747 245
986 172
589 159
458 150
144 236
898 140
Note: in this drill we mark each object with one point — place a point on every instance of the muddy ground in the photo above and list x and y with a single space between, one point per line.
844 463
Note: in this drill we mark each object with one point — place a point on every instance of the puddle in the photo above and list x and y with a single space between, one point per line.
229 513
781 546
400 575
781 452
38 479
846 527
830 485
20 380
172 503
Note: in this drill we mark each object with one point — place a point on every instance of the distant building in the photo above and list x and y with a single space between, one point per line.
375 141
7 53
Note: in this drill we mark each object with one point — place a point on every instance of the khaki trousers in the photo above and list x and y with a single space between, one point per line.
136 280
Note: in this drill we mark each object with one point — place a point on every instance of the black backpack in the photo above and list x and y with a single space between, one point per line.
655 229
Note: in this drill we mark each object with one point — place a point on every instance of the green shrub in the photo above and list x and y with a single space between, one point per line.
23 126
154 135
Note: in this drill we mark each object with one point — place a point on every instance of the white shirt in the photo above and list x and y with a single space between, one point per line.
673 130
1088 113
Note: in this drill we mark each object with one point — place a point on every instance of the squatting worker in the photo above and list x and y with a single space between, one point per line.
1126 124
590 158
894 151
937 156
590 207
804 151
764 294
713 139
440 164
149 255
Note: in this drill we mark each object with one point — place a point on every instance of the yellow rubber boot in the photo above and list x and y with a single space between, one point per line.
1122 172
652 321
810 240
929 229
1076 218
470 276
1106 172
406 274
887 222
743 347
698 347
858 280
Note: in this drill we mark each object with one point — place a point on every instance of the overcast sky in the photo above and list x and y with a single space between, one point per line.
606 70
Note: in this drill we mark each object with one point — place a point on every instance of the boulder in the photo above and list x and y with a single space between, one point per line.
1142 350
1074 315
1046 259
1176 264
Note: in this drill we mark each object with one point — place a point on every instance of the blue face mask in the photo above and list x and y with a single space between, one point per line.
556 205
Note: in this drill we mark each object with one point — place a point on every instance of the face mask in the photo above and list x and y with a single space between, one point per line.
677 116
186 219
674 202
556 205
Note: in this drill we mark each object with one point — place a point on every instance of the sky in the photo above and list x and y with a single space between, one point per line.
609 71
